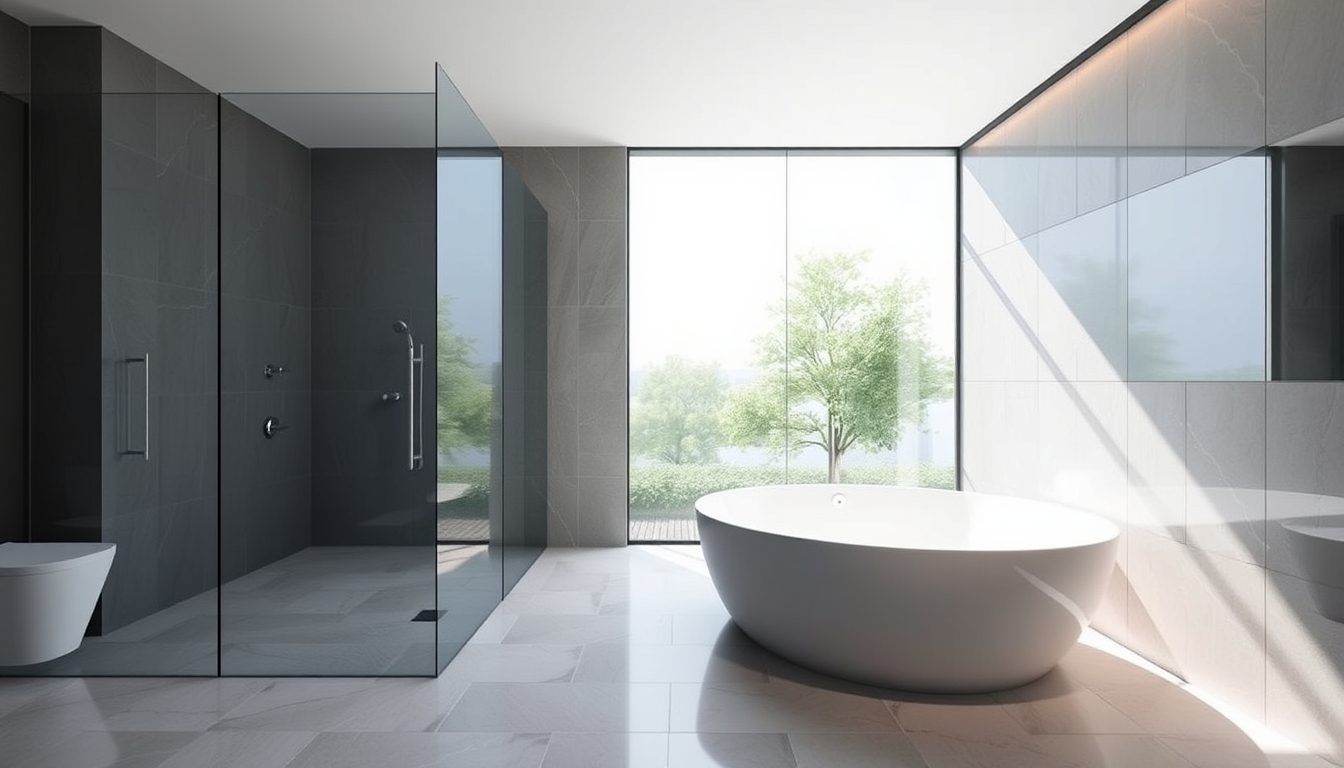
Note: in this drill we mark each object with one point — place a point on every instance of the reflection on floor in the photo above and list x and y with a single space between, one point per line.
622 657
320 611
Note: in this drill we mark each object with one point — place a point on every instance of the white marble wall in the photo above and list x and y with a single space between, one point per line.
1113 345
583 190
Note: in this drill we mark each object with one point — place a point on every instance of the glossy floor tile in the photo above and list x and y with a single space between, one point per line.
615 658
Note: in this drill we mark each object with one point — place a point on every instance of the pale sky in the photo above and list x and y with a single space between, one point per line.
710 236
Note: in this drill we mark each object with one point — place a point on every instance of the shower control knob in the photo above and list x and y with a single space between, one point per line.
273 370
391 397
272 426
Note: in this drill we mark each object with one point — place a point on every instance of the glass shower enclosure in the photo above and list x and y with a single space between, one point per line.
304 330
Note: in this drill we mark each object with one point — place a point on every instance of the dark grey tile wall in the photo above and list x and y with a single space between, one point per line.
583 192
374 229
14 57
13 261
123 266
266 319
14 86
1136 383
65 287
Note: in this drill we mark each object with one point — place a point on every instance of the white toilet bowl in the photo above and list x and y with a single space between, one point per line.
47 595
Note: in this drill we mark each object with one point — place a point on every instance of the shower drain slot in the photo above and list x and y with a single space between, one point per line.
429 615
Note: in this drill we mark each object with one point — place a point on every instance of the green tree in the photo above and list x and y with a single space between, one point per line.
849 365
675 418
464 393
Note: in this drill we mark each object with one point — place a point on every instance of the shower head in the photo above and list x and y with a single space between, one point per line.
400 326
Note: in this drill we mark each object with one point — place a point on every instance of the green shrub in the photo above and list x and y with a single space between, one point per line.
663 487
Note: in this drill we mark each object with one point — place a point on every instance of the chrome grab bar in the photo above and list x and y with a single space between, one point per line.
144 359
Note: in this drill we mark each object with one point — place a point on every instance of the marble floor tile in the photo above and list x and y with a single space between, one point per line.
136 704
1056 704
620 658
108 749
423 750
942 751
516 663
241 749
976 716
313 659
18 691
855 750
494 629
707 628
548 707
615 662
1238 753
566 630
607 750
738 750
340 705
775 707
542 603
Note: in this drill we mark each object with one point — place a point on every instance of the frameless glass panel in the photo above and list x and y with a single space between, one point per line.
707 238
871 322
123 356
468 399
328 257
821 341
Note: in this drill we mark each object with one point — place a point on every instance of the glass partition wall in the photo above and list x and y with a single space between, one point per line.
327 309
283 316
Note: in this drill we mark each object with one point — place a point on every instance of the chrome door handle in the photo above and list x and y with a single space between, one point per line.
142 360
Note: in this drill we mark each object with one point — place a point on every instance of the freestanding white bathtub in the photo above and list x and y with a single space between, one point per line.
909 588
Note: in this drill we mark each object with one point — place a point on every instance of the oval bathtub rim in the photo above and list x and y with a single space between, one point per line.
1111 539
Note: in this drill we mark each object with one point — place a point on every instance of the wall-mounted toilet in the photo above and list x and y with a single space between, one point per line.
47 595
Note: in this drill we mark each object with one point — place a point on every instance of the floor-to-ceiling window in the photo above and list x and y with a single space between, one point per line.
792 320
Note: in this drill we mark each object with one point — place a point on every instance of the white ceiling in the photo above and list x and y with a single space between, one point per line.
731 73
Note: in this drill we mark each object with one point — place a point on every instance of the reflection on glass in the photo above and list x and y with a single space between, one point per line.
815 354
1308 283
1197 276
467 413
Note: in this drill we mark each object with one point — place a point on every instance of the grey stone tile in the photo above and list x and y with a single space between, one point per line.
102 749
467 750
1303 86
775 707
241 749
548 707
552 174
1225 459
1157 97
1226 72
603 365
748 750
603 511
855 750
602 182
1101 103
602 264
606 750
1058 151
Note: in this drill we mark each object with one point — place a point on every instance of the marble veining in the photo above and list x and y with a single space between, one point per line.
627 691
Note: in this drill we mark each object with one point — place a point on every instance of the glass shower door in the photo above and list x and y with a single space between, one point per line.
328 306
